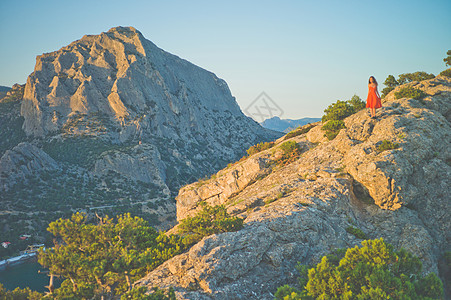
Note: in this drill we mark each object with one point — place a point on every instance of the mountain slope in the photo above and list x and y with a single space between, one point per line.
302 210
126 124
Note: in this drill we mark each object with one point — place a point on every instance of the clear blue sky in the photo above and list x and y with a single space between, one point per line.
303 54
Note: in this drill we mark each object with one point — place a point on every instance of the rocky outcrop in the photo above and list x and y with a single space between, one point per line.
300 212
142 162
22 161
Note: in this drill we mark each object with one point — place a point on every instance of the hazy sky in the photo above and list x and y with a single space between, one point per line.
303 54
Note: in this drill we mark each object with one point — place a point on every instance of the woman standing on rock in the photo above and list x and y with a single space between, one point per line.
373 100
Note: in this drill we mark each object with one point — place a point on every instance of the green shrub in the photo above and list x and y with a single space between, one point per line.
338 111
390 82
358 233
447 59
289 147
104 259
417 76
446 73
356 103
385 91
259 147
287 292
19 294
332 128
387 145
291 152
410 92
208 221
298 131
373 271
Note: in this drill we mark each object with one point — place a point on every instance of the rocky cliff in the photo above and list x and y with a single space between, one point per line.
300 211
113 121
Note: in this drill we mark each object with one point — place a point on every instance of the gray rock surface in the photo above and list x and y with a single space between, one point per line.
22 161
299 212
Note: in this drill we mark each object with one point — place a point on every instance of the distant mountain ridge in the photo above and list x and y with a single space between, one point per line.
286 125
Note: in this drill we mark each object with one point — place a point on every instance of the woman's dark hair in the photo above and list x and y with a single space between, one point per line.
369 80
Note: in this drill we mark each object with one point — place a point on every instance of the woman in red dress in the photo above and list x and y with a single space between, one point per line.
373 100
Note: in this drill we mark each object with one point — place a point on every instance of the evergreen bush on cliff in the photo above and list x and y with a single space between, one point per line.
210 220
332 128
373 271
390 82
259 147
104 259
336 112
410 92
19 294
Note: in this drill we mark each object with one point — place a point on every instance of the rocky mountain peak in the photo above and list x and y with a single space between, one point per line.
130 81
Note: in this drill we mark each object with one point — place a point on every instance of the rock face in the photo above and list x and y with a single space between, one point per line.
300 212
134 84
22 161
113 121
121 88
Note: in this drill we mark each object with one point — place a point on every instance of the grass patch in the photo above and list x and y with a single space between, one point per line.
298 131
358 233
387 145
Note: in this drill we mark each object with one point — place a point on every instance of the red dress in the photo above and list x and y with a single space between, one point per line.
373 101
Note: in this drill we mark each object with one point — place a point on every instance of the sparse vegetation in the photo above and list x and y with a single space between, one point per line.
446 73
298 131
332 128
373 271
390 82
358 233
447 59
259 147
208 221
387 145
291 152
11 133
417 76
139 293
410 92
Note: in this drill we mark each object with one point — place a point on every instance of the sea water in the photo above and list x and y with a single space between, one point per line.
26 275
